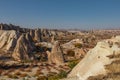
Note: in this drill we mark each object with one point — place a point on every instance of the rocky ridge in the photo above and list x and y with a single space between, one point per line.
20 42
95 60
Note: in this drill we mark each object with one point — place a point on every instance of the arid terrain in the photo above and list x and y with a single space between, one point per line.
52 54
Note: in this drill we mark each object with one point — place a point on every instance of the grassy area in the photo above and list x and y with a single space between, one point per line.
61 75
73 63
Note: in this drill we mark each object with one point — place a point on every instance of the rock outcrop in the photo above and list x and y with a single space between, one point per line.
24 48
56 55
76 46
20 45
95 60
8 27
71 44
37 34
8 39
21 41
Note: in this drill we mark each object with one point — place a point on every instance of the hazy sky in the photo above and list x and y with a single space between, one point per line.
82 14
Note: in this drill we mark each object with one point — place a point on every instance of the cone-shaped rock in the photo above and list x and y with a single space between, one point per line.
37 35
8 39
32 33
56 55
23 48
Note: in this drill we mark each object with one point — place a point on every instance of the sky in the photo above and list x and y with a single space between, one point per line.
63 14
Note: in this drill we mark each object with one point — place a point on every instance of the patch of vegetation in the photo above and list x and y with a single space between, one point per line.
61 75
78 45
38 72
13 76
26 61
17 73
70 53
23 75
73 63
42 78
114 56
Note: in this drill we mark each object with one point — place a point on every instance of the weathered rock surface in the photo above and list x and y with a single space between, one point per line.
95 60
8 39
17 44
56 55
21 41
44 44
24 48
71 44
79 53
37 34
8 27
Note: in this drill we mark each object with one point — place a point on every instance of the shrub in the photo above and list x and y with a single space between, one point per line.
13 76
70 53
53 78
41 78
61 75
27 61
28 70
23 75
78 45
17 73
72 64
38 72
1 72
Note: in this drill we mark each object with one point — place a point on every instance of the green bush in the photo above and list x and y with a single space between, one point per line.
62 74
72 64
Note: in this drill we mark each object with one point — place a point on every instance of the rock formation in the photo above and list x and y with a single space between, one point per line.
95 60
37 34
21 41
56 55
24 48
32 33
8 39
71 46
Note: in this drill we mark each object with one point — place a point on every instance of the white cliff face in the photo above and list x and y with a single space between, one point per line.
95 59
8 39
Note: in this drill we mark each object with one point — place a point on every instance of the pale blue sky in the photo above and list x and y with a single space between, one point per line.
82 14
